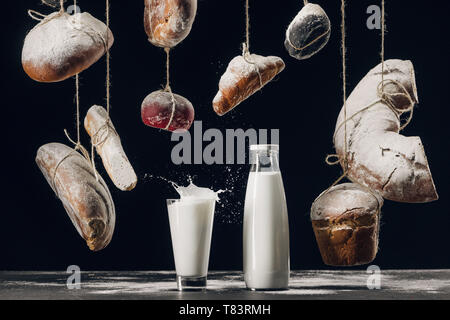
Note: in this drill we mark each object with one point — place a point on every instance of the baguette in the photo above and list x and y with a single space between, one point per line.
110 148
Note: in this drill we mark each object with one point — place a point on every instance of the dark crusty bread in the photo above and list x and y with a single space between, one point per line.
87 201
346 222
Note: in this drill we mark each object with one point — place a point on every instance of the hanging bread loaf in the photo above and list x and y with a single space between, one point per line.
308 33
108 145
164 110
168 22
378 156
346 222
63 45
87 201
243 77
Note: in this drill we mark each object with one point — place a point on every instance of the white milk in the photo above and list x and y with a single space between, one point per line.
191 222
266 231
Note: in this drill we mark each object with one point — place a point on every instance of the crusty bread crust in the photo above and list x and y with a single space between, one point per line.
243 78
87 201
168 22
62 45
109 147
346 222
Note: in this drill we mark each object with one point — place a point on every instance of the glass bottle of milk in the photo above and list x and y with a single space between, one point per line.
266 227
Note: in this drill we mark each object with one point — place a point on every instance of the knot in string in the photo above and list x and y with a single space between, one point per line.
389 99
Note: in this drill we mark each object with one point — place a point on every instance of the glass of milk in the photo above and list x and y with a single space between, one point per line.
191 222
266 227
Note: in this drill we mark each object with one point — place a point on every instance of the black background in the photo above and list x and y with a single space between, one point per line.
303 102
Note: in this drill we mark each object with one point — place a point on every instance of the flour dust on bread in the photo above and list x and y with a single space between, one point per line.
244 77
168 22
109 147
86 200
379 157
308 32
62 45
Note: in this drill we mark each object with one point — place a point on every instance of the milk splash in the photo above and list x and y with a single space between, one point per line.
192 192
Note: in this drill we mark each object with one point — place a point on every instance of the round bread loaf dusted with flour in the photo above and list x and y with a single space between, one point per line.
308 33
87 200
168 22
63 45
346 222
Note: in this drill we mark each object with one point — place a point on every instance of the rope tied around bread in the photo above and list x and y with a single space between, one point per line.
95 141
246 45
384 97
305 2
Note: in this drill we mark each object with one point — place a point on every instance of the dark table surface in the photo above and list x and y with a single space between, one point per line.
398 284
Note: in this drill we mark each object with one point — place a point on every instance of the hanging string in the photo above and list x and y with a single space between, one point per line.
383 25
246 44
102 134
167 88
108 58
43 17
344 81
386 98
247 28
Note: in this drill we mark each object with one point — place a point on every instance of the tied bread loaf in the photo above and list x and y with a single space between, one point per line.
109 147
168 22
167 111
378 156
308 33
63 45
346 222
244 77
87 200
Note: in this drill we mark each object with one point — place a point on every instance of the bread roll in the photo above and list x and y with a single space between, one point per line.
243 78
168 22
308 33
63 45
110 148
87 201
346 222
378 156
162 110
